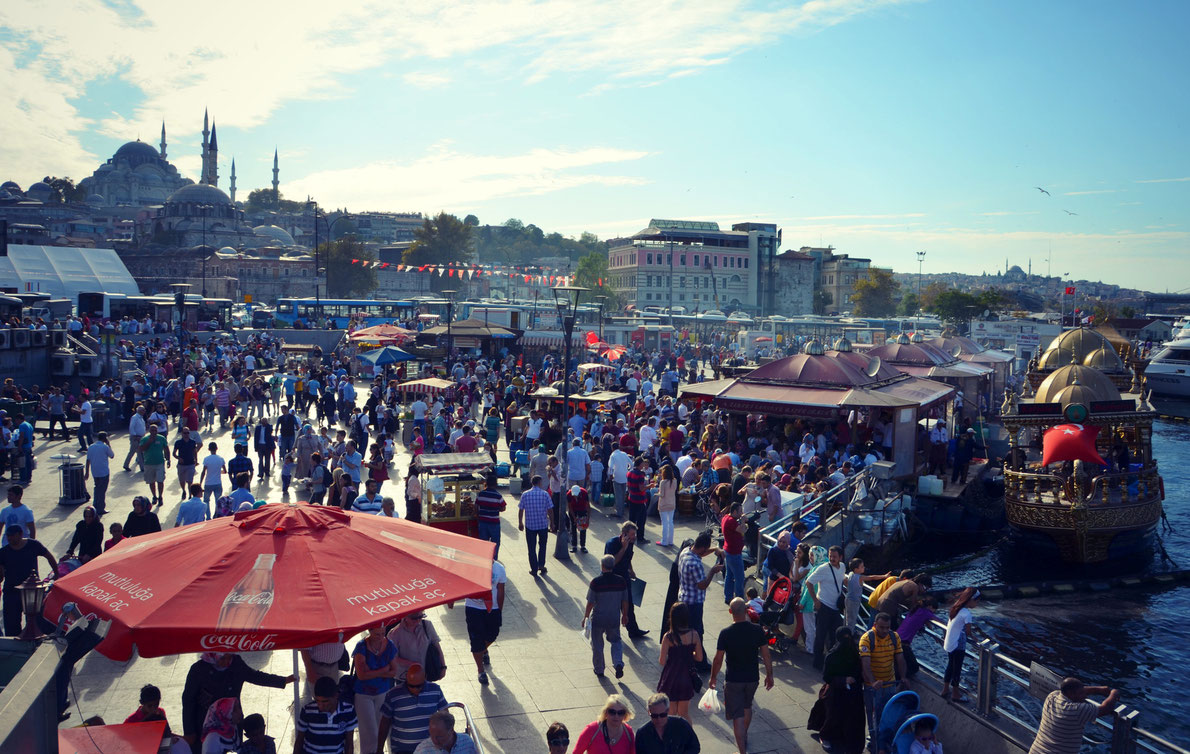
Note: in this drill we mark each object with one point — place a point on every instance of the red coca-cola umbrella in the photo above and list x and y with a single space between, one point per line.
385 335
1070 442
283 576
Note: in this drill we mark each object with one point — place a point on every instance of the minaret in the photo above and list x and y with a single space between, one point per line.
276 178
233 180
206 142
163 140
213 175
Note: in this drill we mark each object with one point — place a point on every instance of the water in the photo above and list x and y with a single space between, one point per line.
1133 641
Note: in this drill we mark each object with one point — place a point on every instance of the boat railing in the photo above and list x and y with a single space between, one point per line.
1129 487
1008 696
470 725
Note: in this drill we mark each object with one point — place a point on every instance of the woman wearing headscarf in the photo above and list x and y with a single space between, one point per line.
216 676
220 726
307 445
844 724
88 536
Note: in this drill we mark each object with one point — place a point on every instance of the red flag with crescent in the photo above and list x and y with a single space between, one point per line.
1070 442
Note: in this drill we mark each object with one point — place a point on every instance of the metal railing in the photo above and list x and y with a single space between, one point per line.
1105 489
470 725
997 675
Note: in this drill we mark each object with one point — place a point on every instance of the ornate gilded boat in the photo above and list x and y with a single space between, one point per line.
1091 514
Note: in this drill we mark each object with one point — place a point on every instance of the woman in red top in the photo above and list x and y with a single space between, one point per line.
610 733
579 506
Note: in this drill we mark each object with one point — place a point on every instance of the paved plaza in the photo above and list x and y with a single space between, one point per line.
541 664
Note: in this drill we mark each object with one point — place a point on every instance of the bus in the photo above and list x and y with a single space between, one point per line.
200 313
339 310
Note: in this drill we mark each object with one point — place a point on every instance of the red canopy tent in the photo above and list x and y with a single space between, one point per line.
385 335
283 576
126 738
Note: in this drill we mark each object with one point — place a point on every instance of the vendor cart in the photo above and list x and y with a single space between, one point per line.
450 484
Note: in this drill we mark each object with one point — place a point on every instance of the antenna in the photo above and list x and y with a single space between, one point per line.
874 366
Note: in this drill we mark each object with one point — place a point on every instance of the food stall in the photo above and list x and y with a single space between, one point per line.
450 484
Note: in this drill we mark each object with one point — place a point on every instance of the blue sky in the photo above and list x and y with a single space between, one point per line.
881 128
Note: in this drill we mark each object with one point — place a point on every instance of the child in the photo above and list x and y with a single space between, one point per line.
287 469
255 740
755 603
924 741
958 628
117 531
919 616
855 591
596 477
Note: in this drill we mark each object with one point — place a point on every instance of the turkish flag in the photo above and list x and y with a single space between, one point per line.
1070 442
1070 290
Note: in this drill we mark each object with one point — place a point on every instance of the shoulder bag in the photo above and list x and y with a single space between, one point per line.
435 661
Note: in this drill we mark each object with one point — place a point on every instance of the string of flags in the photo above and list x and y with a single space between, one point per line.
529 275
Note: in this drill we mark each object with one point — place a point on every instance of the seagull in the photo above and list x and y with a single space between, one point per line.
1070 213
1039 188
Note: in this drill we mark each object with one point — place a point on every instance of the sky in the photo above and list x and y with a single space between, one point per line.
879 127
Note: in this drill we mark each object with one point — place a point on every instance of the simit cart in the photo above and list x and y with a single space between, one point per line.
450 484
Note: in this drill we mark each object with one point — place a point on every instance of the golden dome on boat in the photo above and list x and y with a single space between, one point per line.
1080 343
1105 359
1088 383
1056 357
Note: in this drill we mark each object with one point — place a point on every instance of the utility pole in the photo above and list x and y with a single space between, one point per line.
921 257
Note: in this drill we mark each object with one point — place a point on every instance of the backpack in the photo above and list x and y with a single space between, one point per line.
224 506
327 477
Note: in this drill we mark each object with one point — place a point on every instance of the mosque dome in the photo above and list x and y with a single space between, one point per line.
228 250
40 191
137 153
198 193
1092 384
12 186
96 199
275 234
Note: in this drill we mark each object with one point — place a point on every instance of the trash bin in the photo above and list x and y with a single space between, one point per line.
74 487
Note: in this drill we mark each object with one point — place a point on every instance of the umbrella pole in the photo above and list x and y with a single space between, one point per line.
297 688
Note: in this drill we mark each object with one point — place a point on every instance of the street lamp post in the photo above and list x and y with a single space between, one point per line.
450 315
330 236
566 297
602 300
921 257
671 281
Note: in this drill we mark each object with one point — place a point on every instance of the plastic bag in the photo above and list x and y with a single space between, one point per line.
587 630
711 702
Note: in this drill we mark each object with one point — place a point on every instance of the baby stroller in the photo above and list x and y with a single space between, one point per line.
777 616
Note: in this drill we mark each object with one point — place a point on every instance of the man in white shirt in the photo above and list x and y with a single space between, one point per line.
939 445
648 436
826 586
484 619
98 469
136 430
419 409
578 465
86 436
618 466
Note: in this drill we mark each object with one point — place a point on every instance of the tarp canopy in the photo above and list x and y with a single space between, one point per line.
786 400
126 738
431 385
958 370
65 271
593 367
472 328
383 334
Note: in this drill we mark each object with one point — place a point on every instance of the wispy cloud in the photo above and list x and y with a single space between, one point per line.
426 79
1006 213
866 217
1095 191
449 179
1165 180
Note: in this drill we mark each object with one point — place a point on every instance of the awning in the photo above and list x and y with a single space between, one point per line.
988 357
704 390
955 370
431 385
453 463
127 738
924 393
595 367
785 400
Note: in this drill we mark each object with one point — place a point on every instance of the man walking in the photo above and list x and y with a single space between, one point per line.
489 504
484 620
533 518
406 711
607 609
97 468
136 432
883 662
693 580
154 450
826 586
734 527
18 560
621 548
739 645
638 497
663 734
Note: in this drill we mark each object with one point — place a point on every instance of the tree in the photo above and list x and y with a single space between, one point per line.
344 279
64 191
927 297
514 224
822 299
909 305
873 297
268 200
471 221
591 270
441 239
956 306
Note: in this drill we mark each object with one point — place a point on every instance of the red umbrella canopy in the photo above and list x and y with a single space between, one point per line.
383 334
283 576
1070 442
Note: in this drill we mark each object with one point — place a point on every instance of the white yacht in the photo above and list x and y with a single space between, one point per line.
1168 372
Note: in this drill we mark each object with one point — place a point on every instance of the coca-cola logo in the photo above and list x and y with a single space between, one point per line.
241 598
238 642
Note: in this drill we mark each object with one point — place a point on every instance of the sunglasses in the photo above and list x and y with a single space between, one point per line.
658 715
617 712
559 742
415 617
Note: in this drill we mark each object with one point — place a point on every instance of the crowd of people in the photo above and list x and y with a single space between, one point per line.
307 426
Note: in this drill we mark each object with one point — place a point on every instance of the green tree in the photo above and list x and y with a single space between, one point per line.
909 305
65 192
344 279
267 200
591 269
873 297
822 300
471 221
955 306
441 239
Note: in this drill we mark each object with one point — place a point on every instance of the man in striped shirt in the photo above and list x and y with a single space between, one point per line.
1066 712
489 504
638 498
533 518
405 714
326 725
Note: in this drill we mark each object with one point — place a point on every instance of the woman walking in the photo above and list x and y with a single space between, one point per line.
667 505
375 665
681 649
843 728
610 732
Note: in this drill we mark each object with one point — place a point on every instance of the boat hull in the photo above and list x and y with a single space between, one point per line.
1087 534
1163 381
